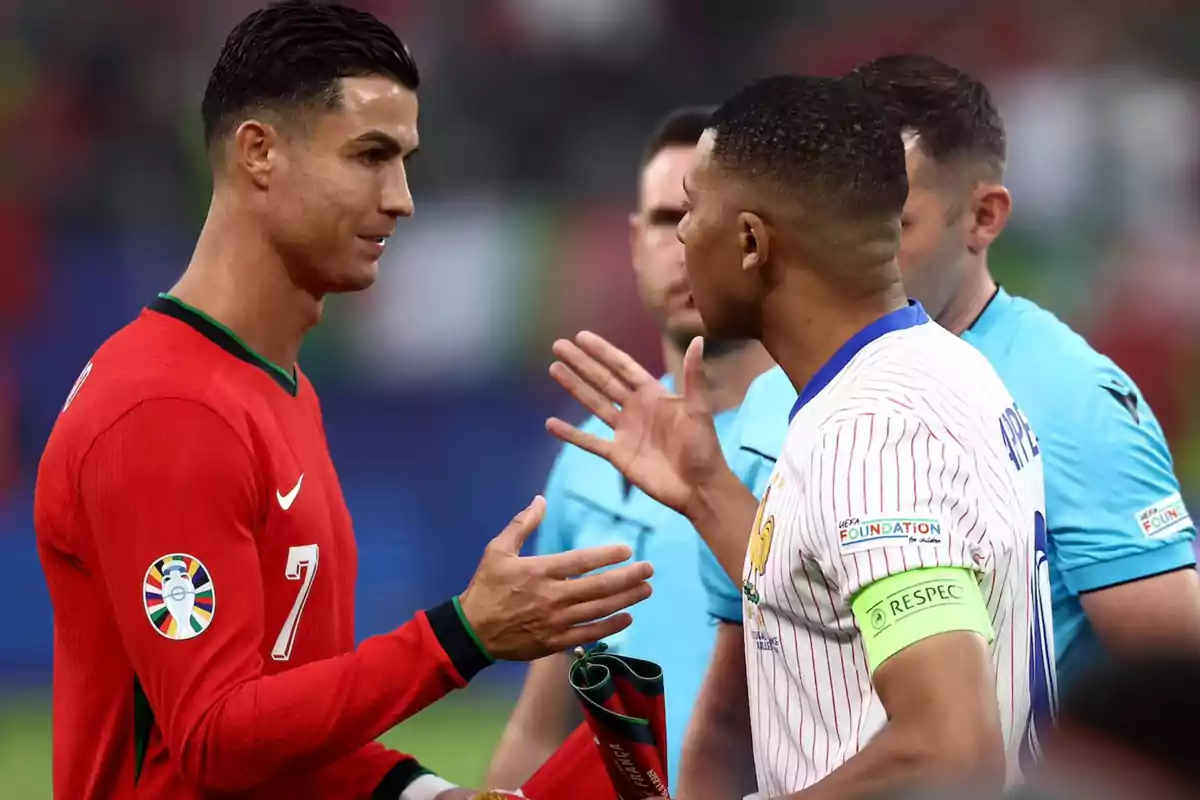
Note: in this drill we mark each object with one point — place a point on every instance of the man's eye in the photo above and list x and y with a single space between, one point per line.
373 156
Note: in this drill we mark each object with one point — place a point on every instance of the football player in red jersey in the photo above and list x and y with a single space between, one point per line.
196 544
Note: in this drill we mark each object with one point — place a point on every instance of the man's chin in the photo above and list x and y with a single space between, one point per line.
353 281
714 346
683 326
715 343
683 336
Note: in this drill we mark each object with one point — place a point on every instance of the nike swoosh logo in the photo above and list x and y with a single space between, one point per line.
286 500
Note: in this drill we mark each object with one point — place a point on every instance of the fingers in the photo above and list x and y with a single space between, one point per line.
604 606
582 391
591 632
606 584
586 441
511 539
617 361
579 562
595 374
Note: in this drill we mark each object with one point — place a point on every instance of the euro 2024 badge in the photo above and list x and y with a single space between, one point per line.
178 596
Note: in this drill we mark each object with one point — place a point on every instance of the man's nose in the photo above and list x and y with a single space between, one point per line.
397 200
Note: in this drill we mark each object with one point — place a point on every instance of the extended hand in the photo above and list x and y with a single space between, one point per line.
663 442
526 608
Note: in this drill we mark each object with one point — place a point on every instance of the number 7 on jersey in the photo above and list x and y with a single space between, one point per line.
302 558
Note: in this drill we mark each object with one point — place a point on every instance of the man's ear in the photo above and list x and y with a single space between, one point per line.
255 150
753 239
991 205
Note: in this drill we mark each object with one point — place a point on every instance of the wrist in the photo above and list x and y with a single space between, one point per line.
723 516
712 497
453 630
470 627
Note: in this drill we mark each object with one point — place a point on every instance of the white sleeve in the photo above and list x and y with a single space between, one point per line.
886 494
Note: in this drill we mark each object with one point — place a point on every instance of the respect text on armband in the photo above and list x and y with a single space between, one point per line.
913 600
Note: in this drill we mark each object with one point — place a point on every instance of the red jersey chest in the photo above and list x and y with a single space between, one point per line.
305 538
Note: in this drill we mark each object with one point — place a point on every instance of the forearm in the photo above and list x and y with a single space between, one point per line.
545 715
723 514
518 755
1153 613
718 756
900 758
716 763
323 711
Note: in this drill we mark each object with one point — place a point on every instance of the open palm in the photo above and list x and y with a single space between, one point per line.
663 442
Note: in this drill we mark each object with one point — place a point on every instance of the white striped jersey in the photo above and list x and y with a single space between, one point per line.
905 451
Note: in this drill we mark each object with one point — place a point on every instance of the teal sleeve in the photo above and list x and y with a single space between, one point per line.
724 599
1115 513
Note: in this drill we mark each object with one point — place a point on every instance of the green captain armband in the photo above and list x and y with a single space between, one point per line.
902 609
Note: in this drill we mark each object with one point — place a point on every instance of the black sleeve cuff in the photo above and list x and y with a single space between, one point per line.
397 779
454 633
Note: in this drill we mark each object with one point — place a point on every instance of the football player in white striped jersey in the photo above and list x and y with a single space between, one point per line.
888 597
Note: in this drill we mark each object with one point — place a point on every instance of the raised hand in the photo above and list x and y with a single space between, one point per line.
663 442
524 608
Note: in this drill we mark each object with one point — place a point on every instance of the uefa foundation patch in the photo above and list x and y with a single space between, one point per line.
178 596
1165 517
865 534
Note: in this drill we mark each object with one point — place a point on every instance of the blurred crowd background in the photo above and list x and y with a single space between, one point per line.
533 114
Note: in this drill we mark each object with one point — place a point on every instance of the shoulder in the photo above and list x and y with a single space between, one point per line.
153 358
1032 348
872 424
925 363
1063 384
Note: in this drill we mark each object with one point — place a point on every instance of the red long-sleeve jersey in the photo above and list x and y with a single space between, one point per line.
201 563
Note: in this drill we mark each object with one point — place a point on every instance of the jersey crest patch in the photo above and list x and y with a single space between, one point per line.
759 549
178 596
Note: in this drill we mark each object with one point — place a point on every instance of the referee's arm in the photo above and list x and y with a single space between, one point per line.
1121 534
718 756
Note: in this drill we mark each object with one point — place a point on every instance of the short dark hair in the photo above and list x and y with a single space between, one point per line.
293 54
682 127
825 139
951 112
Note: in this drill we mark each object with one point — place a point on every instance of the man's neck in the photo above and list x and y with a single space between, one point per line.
803 336
238 279
977 290
727 375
